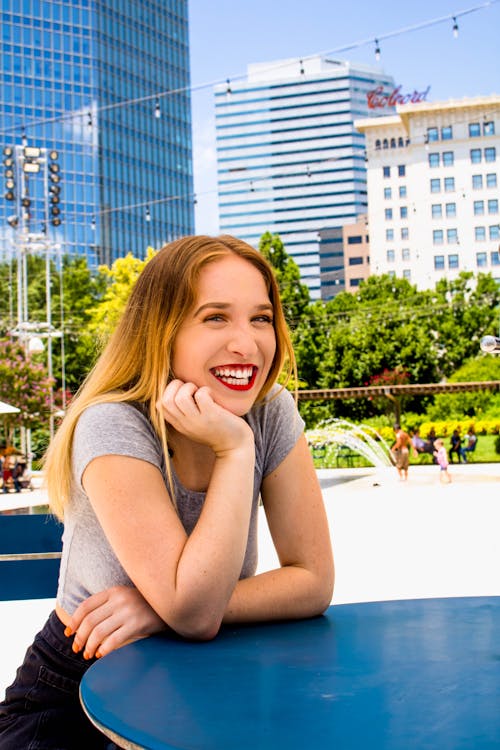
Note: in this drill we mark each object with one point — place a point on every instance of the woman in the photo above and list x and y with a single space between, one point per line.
157 470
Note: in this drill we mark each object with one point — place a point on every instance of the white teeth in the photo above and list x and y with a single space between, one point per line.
238 374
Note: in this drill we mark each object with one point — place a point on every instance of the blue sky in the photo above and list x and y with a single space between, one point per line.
227 35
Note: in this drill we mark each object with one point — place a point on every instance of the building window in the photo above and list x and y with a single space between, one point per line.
436 210
451 210
477 181
405 253
386 171
403 212
432 135
388 214
377 144
402 191
481 260
355 282
478 208
493 206
491 180
438 262
451 236
407 274
453 261
355 239
474 130
437 236
401 170
490 154
449 184
495 258
387 194
405 233
435 185
475 155
494 232
446 133
390 256
448 159
480 234
356 261
389 234
488 128
433 160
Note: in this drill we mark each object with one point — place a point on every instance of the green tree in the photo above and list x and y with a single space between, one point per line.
294 295
23 383
118 281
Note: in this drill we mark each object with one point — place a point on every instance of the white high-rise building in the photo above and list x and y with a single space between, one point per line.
433 189
290 160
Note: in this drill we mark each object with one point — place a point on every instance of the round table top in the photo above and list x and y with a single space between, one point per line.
393 675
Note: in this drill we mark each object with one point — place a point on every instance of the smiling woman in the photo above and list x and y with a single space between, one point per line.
158 469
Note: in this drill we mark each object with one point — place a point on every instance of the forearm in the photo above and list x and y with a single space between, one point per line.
290 592
212 558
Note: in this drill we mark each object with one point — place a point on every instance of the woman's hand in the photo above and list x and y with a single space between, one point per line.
110 619
193 412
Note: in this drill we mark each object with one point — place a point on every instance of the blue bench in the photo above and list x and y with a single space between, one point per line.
30 552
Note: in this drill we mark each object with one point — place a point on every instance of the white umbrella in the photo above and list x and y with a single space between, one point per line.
7 408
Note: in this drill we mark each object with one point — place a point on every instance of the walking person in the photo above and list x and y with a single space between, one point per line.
442 459
401 451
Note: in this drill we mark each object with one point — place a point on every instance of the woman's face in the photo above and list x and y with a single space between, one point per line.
227 341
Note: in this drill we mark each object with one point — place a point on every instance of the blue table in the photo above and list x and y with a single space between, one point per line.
392 675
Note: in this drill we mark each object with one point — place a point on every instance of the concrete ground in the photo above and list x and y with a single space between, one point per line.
391 540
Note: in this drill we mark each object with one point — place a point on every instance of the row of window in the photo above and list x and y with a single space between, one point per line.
446 132
403 213
402 192
453 261
391 255
447 158
389 234
447 184
401 171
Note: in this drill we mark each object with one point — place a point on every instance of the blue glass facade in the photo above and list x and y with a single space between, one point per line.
89 79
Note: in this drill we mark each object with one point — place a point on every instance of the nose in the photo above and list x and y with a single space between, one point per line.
242 341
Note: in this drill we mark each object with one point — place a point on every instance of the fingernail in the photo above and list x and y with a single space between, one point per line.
86 656
98 654
68 631
76 647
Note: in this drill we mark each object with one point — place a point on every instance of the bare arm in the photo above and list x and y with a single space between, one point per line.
188 581
303 585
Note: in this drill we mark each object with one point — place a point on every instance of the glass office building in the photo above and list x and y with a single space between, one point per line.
87 82
290 160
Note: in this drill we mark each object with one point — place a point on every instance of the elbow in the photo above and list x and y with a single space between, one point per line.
324 592
199 627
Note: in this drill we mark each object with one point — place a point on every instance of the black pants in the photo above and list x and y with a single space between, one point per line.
42 710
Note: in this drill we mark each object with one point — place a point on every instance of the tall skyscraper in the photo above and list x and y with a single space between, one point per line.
289 158
87 82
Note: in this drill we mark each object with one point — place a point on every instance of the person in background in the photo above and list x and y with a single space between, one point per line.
471 442
158 470
456 447
442 460
401 451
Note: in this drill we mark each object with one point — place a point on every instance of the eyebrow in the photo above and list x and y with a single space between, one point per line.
267 306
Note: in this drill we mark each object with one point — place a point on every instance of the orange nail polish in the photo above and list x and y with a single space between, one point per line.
68 632
98 654
86 656
76 648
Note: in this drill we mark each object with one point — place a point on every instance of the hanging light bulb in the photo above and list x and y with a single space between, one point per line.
157 109
377 50
455 27
228 88
89 119
92 224
301 68
148 214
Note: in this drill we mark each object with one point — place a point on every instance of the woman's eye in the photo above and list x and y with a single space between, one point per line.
263 319
216 318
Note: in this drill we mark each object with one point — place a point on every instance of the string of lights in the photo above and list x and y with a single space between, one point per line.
92 111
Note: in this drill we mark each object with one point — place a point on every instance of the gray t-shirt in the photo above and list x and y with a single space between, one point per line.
88 563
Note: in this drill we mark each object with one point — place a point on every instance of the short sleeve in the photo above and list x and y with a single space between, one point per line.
113 429
277 426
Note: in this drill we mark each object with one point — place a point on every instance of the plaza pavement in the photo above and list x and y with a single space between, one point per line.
391 540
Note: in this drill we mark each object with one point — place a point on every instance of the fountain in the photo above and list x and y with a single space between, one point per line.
361 439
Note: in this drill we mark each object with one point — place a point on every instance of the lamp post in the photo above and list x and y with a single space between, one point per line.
32 186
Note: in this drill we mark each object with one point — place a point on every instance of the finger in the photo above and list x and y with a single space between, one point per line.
84 609
116 639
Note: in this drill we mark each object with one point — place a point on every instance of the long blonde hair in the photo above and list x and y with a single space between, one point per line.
136 362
